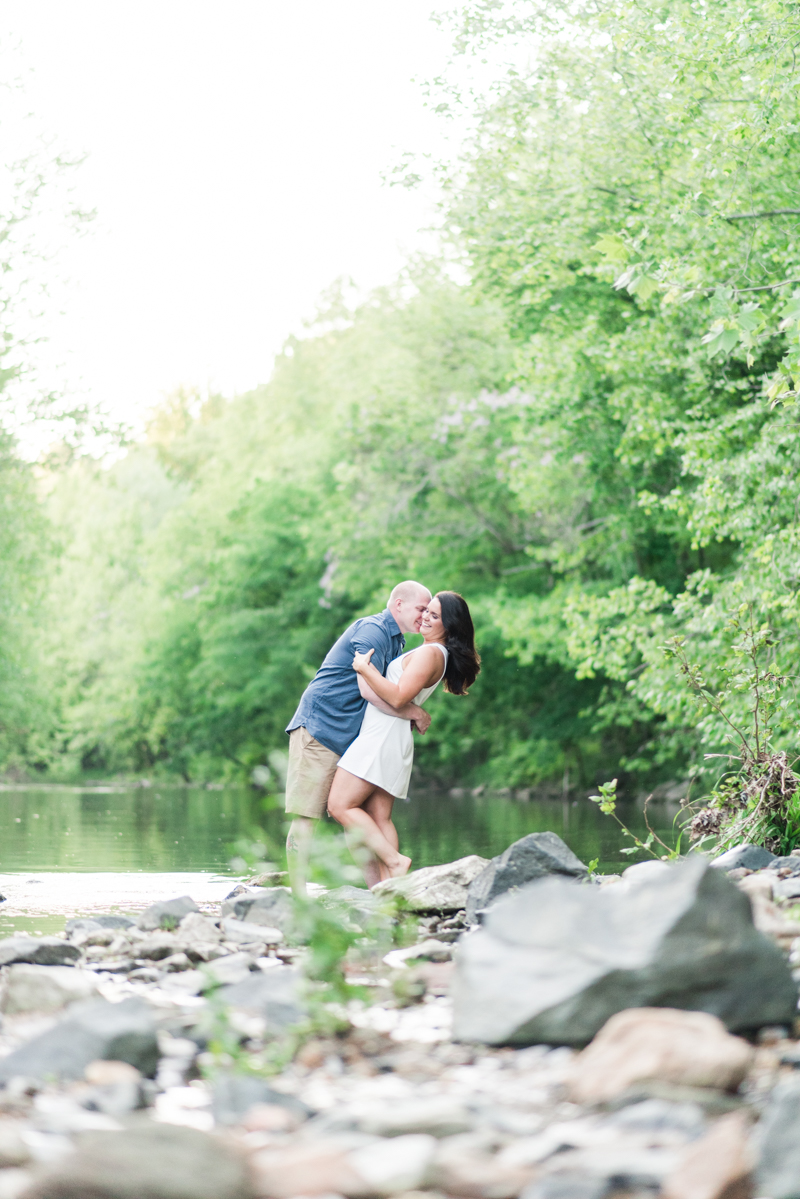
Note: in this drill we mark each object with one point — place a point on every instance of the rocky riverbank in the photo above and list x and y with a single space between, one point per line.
522 1030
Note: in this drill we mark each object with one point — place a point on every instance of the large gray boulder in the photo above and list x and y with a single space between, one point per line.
751 857
535 856
94 1030
153 1161
434 888
552 962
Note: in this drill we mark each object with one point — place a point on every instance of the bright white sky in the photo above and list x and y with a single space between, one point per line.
235 153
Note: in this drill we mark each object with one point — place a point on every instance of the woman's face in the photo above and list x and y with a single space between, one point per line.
432 626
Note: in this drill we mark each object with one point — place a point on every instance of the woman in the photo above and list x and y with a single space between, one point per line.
375 770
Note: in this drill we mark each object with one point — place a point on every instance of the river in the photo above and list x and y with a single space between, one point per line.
196 828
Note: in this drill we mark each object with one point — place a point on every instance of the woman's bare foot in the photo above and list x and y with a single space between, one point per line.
401 868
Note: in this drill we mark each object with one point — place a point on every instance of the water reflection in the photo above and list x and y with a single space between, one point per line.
194 828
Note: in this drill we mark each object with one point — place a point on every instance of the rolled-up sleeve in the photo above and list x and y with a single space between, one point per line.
372 636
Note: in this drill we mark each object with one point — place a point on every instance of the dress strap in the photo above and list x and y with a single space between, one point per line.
443 648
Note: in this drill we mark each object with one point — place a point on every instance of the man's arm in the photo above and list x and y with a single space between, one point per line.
412 712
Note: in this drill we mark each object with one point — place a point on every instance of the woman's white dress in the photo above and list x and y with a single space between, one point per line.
383 752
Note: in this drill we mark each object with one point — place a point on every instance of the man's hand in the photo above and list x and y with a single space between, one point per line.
422 722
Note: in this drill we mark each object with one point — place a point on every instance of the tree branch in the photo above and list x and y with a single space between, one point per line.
758 216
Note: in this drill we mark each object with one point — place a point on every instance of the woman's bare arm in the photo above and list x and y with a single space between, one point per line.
409 712
422 670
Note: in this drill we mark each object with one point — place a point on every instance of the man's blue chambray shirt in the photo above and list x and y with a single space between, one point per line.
332 707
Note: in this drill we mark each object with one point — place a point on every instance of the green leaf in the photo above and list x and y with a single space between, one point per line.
643 287
612 247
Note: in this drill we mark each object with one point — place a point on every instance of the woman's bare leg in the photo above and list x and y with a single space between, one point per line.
370 866
379 807
345 803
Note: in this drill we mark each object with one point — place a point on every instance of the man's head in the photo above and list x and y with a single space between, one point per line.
407 603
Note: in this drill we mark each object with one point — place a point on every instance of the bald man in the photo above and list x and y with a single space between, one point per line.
330 712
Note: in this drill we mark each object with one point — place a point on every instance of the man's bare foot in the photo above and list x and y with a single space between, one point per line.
401 868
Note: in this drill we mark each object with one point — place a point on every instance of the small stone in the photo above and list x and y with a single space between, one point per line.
98 936
718 1166
778 1144
231 969
236 1094
640 871
357 899
753 857
430 951
107 1073
389 1167
757 885
655 1115
320 1167
272 907
196 927
145 974
93 1029
273 994
114 920
203 951
465 1165
438 1117
686 1048
787 888
167 914
242 932
435 888
40 951
187 982
154 949
13 1150
569 1185
82 924
160 1161
29 988
239 889
14 1183
269 1117
176 962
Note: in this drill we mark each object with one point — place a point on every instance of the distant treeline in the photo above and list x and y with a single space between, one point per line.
595 439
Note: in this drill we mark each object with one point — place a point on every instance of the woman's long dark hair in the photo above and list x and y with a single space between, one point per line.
463 660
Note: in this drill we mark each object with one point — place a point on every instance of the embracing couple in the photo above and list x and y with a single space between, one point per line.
350 740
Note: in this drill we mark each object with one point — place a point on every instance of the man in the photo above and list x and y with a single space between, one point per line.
330 712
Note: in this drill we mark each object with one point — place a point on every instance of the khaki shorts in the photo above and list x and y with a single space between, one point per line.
310 774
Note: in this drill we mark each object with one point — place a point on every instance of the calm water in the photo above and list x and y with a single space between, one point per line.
196 829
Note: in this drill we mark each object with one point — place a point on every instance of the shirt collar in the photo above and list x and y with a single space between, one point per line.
392 627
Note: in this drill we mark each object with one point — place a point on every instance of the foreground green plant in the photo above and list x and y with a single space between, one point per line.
652 844
328 933
758 800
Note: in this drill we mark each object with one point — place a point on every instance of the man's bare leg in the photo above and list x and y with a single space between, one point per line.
379 806
371 869
301 830
347 795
